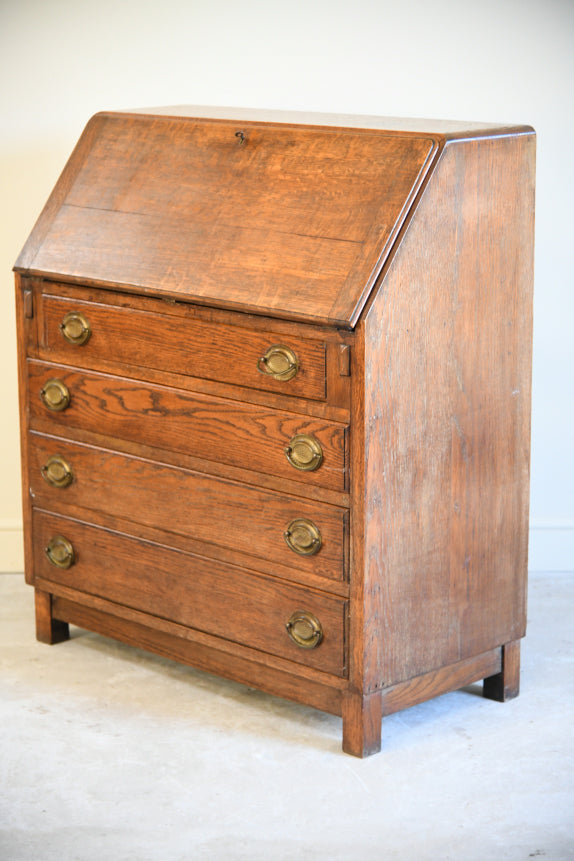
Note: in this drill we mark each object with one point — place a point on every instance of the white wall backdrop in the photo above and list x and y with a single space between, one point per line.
499 60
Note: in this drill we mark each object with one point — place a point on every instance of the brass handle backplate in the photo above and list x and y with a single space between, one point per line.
303 537
304 452
279 362
55 395
75 328
305 629
57 471
60 552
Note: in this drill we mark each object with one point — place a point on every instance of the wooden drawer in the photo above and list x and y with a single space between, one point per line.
212 510
212 597
214 429
192 347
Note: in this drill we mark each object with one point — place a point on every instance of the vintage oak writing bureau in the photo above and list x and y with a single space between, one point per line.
275 387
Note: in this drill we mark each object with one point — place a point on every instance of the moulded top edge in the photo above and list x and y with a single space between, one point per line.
449 129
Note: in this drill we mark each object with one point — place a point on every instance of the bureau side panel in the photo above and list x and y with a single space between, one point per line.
447 419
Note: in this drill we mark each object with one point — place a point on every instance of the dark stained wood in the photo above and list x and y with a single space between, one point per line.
219 599
188 347
505 685
291 222
201 506
212 429
288 682
49 630
397 263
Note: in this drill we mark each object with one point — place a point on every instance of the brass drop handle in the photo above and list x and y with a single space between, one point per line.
75 328
55 395
279 362
303 537
57 471
305 629
60 552
304 452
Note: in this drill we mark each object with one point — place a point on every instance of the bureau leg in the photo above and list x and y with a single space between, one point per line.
48 629
362 716
506 684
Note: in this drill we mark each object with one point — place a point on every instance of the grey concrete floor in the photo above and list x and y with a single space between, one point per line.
109 752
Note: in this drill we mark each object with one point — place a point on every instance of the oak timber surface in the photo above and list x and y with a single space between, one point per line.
191 347
204 507
447 454
201 593
396 265
214 429
449 129
273 219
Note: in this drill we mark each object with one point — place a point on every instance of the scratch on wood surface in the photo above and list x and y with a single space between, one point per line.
463 442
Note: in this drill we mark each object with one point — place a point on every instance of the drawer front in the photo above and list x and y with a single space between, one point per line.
214 429
202 507
212 597
181 345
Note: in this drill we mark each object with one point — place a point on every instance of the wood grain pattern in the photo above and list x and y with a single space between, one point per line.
59 194
362 717
269 481
292 222
197 547
448 129
212 429
441 681
336 407
281 682
209 509
447 419
183 632
197 349
222 600
397 264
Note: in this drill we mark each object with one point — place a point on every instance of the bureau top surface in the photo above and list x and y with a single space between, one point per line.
279 218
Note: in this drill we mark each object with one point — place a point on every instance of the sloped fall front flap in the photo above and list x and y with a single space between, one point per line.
286 220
